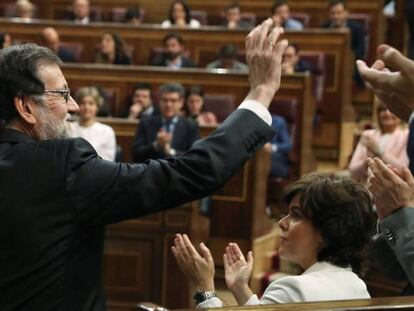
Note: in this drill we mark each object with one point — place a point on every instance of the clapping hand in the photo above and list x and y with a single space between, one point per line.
391 78
390 191
198 268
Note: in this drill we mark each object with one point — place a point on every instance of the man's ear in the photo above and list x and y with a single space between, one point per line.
24 107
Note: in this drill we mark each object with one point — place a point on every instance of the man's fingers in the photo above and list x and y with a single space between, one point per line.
206 253
271 41
226 262
263 34
394 59
189 246
407 176
229 256
378 65
180 246
250 258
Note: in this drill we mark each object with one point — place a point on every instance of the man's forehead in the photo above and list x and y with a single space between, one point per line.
52 76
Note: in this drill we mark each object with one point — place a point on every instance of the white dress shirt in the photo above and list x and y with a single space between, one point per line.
321 282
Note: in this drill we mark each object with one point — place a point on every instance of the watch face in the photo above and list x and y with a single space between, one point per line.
199 296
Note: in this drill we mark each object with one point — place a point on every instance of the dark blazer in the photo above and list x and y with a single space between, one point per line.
280 158
303 66
66 55
125 112
393 247
185 134
357 37
161 60
57 196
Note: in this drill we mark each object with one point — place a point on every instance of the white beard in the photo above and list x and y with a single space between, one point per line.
50 127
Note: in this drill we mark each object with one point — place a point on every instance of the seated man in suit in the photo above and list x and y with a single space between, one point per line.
338 18
291 61
81 12
140 104
228 59
51 39
281 16
25 9
233 17
166 135
173 56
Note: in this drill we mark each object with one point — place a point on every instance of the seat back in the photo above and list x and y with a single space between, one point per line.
159 50
317 60
117 14
221 105
199 15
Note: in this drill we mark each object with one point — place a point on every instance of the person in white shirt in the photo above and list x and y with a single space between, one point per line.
180 16
326 231
100 136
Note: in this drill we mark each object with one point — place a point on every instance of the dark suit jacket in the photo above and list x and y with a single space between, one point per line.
162 59
125 113
56 197
357 37
184 135
66 55
393 247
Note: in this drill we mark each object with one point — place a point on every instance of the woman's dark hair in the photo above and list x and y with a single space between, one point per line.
194 90
186 10
120 51
19 75
341 209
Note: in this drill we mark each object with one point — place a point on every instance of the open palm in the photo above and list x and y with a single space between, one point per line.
237 269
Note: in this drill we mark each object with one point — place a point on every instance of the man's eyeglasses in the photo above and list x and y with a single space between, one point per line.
65 93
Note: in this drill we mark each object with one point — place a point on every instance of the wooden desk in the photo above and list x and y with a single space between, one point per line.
203 43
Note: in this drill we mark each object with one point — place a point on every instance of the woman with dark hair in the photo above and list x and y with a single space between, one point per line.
194 107
326 231
112 50
5 40
179 15
387 142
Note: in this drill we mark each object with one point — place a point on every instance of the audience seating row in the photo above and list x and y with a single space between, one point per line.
204 44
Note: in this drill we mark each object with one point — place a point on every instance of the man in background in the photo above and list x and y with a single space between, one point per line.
173 56
51 39
281 16
228 59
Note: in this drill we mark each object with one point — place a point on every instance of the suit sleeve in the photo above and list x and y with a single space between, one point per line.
358 42
103 192
144 149
385 258
398 230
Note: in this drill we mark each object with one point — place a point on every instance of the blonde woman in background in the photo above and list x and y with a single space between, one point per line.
388 142
100 136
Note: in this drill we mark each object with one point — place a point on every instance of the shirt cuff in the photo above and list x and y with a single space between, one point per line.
213 302
253 300
410 119
258 109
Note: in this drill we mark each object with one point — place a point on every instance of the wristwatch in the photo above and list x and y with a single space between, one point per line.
200 296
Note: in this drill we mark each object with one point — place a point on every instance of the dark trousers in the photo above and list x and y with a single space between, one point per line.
280 165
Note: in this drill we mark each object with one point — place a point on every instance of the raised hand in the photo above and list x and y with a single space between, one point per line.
264 51
199 269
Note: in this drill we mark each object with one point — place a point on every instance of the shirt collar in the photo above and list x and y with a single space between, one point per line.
324 266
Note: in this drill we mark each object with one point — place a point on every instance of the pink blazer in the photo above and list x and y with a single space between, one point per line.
395 153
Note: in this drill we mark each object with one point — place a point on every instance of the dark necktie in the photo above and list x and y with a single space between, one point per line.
167 125
410 146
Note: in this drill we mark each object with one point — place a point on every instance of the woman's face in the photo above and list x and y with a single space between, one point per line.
300 242
388 120
195 104
88 108
178 12
107 44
